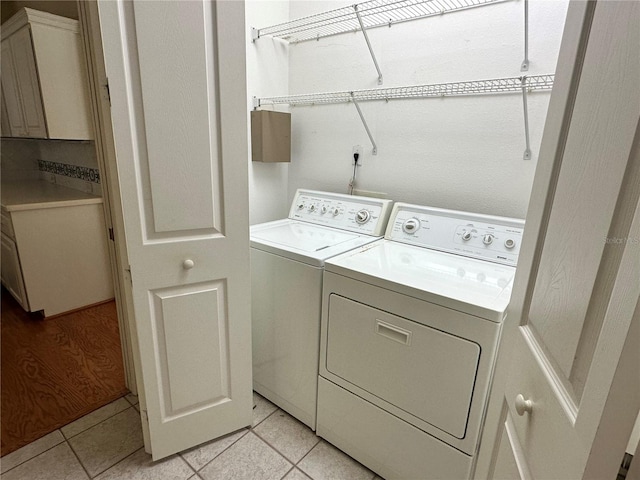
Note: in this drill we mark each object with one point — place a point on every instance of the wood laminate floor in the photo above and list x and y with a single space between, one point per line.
55 370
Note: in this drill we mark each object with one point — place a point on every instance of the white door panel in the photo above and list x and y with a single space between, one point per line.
179 121
577 285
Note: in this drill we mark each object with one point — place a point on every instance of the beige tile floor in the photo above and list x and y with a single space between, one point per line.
107 445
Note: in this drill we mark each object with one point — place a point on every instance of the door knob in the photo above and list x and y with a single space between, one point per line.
188 264
523 405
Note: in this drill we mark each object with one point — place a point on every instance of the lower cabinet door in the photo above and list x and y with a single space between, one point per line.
11 272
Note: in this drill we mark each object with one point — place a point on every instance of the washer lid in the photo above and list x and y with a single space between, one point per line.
472 286
303 241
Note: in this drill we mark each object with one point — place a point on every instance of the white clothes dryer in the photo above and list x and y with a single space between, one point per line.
287 260
410 327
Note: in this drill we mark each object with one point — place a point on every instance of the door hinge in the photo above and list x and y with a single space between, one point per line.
128 270
111 237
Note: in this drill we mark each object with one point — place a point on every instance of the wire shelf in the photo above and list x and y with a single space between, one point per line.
476 87
374 13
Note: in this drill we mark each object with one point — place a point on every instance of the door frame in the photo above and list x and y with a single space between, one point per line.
619 414
105 152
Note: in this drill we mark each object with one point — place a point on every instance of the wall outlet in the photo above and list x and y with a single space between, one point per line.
357 149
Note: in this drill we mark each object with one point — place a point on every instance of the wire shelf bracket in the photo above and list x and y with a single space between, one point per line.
524 67
525 109
374 150
366 38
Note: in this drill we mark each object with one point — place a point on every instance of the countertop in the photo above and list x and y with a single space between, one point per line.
36 194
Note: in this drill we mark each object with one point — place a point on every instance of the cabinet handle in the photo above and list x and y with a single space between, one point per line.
523 405
188 264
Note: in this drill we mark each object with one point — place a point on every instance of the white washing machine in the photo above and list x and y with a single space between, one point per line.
410 327
287 260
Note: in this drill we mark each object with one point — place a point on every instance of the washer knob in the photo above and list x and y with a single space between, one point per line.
323 210
509 243
336 211
411 225
487 239
466 235
312 208
300 206
362 217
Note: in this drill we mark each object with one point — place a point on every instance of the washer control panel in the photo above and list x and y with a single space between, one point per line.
486 237
347 212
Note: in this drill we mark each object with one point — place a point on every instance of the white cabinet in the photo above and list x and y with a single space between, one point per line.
54 248
44 79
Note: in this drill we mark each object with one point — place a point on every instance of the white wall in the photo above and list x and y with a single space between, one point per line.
462 153
267 74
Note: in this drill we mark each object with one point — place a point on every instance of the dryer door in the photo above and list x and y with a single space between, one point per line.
425 372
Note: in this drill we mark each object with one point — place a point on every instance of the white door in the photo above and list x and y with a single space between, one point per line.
177 80
565 410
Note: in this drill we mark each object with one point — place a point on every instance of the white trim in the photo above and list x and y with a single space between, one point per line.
29 15
105 152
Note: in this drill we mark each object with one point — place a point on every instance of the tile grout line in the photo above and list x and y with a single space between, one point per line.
103 420
35 456
97 424
282 454
119 461
202 468
293 467
78 458
320 440
254 426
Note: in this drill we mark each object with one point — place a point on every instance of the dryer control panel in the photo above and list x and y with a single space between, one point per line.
486 237
347 212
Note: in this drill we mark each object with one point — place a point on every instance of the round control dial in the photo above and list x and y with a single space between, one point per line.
362 217
312 208
487 239
300 206
411 225
509 243
323 210
466 235
335 211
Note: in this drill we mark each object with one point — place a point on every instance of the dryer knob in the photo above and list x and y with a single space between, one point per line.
362 217
300 206
466 235
411 225
336 211
487 239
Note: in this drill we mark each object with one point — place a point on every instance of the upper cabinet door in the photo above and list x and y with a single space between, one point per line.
178 91
27 76
11 94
